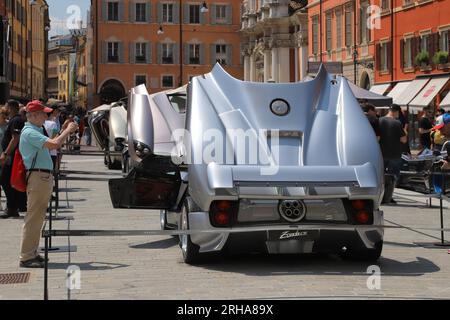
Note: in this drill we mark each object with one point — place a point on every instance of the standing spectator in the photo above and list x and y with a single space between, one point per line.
34 147
3 125
438 139
52 129
16 201
405 125
87 130
371 115
425 127
392 136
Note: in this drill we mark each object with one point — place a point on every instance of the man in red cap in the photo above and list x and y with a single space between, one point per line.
35 149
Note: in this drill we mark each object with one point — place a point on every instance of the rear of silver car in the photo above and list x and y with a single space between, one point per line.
313 183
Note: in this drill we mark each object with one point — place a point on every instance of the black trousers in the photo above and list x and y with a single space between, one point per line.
15 200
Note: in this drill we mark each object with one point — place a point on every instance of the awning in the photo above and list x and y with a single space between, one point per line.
411 91
445 103
380 88
429 92
398 90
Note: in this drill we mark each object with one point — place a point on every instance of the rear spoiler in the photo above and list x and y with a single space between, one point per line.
228 176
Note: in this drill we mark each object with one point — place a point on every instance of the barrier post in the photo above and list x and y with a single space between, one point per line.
46 267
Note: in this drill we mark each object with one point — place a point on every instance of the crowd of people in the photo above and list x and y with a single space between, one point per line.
392 132
38 131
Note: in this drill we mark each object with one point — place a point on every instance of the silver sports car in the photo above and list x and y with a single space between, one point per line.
257 167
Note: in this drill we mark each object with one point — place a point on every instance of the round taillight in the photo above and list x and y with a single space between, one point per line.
221 218
362 217
223 205
358 204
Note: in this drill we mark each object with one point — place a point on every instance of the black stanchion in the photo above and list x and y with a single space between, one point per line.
442 175
58 249
46 268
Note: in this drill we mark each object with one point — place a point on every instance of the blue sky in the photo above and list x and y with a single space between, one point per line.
60 17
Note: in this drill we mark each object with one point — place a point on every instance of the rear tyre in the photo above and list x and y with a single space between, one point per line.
189 250
369 255
114 164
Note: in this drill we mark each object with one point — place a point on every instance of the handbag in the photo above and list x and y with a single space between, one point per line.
19 178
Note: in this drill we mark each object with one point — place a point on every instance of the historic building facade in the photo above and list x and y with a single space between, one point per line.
341 31
275 41
161 43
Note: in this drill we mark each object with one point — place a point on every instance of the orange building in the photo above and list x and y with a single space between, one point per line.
412 33
337 31
138 41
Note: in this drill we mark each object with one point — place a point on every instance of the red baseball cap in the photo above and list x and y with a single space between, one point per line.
36 105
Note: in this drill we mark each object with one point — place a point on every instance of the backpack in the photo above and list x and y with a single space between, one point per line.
19 178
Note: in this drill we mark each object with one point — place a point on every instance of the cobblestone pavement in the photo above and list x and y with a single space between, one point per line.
151 267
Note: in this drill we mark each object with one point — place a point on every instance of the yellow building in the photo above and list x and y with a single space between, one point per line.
80 91
29 26
63 76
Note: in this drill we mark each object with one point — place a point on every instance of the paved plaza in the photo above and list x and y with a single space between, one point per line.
151 267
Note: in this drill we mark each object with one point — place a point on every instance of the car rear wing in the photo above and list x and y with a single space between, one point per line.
229 176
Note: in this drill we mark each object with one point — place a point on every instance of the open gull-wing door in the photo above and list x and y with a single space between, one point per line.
99 124
154 182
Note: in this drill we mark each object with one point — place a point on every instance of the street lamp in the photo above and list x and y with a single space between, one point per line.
203 9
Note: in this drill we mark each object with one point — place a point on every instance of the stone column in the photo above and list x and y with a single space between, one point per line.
246 68
284 66
275 64
252 68
267 65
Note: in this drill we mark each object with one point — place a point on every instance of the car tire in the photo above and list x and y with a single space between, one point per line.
189 250
114 165
368 255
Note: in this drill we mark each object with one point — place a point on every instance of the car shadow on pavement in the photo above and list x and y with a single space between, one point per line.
159 244
87 266
316 264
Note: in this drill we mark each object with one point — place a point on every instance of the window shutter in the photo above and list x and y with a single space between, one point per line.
132 52
176 53
213 54
434 44
104 10
186 15
132 12
360 28
229 55
159 53
415 42
229 14
148 12
121 11
176 13
202 54
148 53
186 53
402 55
121 53
212 14
389 56
378 53
159 12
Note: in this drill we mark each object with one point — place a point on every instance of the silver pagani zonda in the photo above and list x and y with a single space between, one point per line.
246 167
